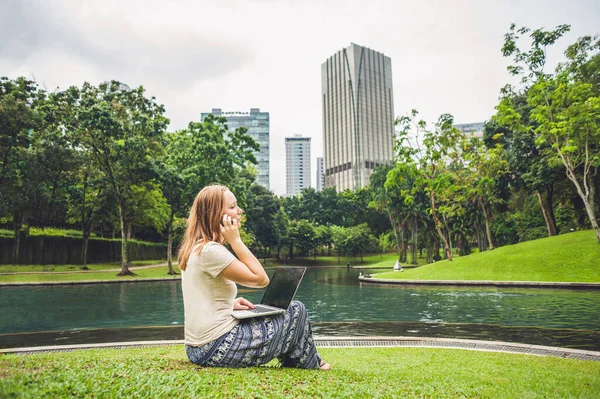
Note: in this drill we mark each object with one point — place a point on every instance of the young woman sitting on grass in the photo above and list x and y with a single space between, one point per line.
209 273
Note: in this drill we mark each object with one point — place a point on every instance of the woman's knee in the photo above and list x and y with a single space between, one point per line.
298 307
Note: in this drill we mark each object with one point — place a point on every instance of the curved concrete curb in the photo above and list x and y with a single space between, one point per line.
454 343
484 283
356 342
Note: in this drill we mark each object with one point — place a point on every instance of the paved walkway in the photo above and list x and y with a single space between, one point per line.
358 342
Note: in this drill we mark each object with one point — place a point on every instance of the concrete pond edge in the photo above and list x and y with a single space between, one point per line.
354 342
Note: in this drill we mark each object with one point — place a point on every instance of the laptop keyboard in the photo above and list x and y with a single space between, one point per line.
260 309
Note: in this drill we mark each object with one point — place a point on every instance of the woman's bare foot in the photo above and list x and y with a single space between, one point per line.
324 365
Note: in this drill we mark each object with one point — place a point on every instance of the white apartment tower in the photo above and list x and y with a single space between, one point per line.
297 164
358 115
471 130
258 127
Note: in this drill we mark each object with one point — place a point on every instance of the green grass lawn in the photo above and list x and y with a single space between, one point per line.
165 372
73 268
573 257
386 259
155 272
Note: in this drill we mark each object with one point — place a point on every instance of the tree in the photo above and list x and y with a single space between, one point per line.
17 118
408 205
281 226
355 207
487 165
85 183
261 210
243 180
86 201
324 237
530 167
327 207
359 241
124 130
339 234
176 193
20 185
202 154
440 147
302 235
330 212
566 108
146 206
386 200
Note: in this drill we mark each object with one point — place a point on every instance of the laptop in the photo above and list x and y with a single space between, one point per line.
278 295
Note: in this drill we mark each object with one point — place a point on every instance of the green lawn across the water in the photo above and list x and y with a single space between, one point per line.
74 268
375 261
573 257
158 272
75 274
165 372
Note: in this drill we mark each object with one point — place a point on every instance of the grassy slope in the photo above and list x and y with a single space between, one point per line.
165 372
569 257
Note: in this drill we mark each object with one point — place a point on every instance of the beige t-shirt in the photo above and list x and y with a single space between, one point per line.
207 296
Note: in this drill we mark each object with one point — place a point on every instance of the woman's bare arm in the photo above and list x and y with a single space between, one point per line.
246 271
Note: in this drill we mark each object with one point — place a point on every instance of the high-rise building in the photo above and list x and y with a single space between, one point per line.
320 174
120 85
471 129
358 115
297 164
257 124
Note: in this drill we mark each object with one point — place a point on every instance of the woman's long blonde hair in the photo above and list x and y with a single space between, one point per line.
204 222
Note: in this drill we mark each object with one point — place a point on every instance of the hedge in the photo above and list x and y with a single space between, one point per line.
52 250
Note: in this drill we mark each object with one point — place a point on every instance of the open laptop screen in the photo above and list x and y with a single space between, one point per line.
283 286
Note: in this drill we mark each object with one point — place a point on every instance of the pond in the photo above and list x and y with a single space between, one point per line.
337 302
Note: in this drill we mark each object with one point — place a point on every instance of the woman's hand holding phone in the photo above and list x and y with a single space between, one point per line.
246 270
230 229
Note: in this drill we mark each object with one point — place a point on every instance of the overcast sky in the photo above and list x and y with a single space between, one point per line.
236 55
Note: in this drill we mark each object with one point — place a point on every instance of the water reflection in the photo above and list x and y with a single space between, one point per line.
336 301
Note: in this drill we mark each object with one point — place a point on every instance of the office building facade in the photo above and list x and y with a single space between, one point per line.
297 164
471 129
320 174
257 124
358 116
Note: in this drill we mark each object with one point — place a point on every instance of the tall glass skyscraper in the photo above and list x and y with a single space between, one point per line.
297 164
358 115
257 124
320 174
